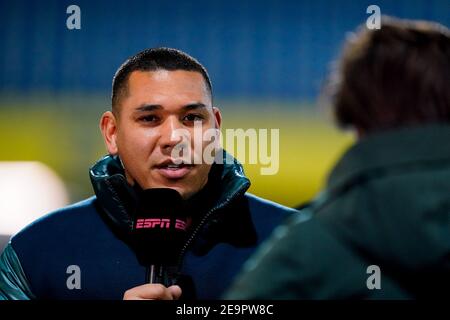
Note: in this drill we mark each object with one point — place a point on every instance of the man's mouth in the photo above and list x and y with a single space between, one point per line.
171 170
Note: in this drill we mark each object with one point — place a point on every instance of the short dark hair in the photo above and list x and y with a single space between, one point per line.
152 60
395 76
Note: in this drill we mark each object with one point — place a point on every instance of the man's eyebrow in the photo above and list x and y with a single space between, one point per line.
193 106
148 107
153 107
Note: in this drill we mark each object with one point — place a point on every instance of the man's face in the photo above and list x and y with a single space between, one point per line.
143 133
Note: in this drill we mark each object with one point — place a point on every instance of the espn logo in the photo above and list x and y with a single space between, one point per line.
159 223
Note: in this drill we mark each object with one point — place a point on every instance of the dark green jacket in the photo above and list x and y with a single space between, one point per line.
387 203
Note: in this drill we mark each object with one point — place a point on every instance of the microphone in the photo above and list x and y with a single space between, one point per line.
159 233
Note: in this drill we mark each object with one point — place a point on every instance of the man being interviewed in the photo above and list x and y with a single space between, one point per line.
155 95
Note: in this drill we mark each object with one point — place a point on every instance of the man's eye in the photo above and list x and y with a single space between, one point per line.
149 118
193 117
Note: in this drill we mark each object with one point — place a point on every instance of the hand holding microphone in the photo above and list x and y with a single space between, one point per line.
153 292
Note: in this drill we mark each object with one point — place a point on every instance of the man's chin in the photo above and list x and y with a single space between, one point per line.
183 191
186 187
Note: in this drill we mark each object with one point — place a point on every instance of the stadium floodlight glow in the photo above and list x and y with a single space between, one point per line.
28 190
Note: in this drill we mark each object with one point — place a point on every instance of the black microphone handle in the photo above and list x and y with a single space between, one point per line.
159 274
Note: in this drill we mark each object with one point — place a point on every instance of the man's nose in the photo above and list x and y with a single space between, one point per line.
170 134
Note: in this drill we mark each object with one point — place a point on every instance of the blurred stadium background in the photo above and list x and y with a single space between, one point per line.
267 59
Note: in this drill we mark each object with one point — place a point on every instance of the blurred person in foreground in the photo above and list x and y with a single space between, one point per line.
155 94
381 227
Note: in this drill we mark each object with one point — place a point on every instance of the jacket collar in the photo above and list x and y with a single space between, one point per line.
118 199
393 148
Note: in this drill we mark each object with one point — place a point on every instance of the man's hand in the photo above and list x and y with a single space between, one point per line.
152 292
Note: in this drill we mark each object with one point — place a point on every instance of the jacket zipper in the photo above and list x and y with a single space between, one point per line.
200 225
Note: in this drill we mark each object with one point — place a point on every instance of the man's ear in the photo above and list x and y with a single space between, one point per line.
217 117
108 126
